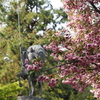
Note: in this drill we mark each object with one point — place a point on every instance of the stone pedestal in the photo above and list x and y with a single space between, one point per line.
29 98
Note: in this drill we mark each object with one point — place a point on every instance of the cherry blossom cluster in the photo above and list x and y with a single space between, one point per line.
96 90
51 81
82 54
36 66
59 45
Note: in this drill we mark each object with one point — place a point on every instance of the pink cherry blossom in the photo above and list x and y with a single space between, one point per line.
26 61
30 67
35 67
82 53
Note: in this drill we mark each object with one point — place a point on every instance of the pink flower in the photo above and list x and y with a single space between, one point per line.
46 79
66 82
36 63
40 78
26 65
35 67
53 82
26 61
81 89
30 67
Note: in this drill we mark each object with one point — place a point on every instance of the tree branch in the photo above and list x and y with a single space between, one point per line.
55 67
95 8
74 61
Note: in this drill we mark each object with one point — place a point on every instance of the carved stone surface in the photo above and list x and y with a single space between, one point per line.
29 98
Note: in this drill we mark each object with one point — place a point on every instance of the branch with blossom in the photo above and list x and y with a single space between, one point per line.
36 67
84 48
95 8
79 61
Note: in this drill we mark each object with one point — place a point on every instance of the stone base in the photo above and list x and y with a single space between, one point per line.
29 98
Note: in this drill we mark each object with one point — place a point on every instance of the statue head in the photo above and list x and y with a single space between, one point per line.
36 51
32 54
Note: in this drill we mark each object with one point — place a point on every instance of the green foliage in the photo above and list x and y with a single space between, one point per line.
60 92
81 95
10 91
